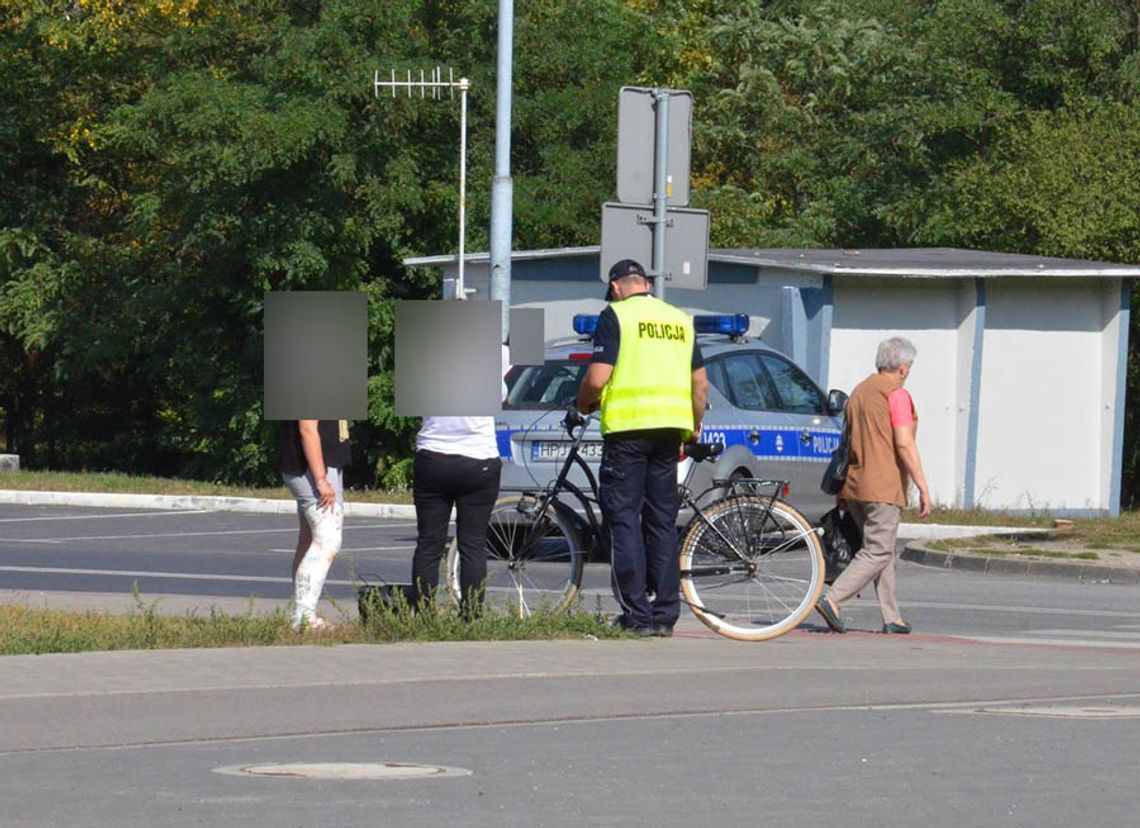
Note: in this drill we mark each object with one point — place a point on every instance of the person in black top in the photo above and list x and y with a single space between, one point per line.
310 457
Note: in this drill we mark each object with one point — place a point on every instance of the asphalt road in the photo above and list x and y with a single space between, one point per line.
211 556
1016 703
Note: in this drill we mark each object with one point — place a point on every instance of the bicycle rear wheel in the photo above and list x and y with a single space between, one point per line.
532 563
752 569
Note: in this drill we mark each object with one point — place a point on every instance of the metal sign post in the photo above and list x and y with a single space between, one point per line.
654 144
660 190
434 84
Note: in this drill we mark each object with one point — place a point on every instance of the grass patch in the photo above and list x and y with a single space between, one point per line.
27 631
119 483
999 547
1121 532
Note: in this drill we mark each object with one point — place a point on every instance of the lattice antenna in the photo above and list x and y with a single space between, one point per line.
432 85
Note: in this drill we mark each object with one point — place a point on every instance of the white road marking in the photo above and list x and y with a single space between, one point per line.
1056 711
1128 636
1053 642
362 549
1007 608
188 576
101 517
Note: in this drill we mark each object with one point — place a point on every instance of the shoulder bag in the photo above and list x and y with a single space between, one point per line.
836 472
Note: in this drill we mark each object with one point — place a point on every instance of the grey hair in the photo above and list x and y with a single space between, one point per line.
894 352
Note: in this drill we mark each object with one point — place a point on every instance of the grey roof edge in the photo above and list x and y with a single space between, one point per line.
1028 266
1031 265
516 256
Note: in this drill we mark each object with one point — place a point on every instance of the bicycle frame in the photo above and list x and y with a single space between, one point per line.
546 497
739 488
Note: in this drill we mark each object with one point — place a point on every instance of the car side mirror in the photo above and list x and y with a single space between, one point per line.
836 402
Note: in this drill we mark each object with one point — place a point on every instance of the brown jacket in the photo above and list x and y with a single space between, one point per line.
875 473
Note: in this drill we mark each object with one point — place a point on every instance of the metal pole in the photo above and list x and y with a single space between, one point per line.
463 84
660 189
502 188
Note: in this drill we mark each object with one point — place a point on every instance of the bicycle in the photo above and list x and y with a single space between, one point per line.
751 565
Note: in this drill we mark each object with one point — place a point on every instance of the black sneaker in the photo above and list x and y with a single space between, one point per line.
662 630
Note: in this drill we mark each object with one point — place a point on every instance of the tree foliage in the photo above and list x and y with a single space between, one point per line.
163 163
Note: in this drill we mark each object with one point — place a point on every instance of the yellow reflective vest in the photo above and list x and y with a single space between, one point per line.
651 385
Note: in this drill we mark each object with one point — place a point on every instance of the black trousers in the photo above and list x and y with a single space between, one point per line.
441 481
639 499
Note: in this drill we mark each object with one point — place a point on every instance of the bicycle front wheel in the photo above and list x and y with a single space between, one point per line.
532 562
751 568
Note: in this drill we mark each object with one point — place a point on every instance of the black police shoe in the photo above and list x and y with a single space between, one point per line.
624 623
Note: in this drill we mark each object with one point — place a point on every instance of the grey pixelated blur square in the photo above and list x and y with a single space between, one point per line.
316 355
448 358
528 336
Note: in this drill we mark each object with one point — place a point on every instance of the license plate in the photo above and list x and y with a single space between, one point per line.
557 450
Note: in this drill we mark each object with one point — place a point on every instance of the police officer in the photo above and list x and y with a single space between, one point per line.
648 375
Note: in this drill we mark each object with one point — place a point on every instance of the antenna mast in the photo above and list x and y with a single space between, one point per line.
432 85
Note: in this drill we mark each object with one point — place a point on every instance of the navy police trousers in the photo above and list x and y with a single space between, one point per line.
639 500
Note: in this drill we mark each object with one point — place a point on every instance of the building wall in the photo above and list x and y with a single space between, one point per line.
927 313
562 299
1047 359
1016 381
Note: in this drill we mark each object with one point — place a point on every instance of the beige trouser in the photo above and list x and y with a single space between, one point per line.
875 561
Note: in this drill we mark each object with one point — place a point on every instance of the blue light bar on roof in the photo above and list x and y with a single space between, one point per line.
585 324
729 324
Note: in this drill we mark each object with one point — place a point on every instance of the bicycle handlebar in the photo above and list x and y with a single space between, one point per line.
576 420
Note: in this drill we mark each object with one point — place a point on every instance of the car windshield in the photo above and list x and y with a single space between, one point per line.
544 387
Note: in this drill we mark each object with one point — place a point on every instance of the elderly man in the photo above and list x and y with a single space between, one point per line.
884 456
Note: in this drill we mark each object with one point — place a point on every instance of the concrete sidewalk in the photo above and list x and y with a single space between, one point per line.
149 697
210 503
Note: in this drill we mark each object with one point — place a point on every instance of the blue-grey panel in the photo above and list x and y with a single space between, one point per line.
969 485
729 273
585 269
1124 320
568 268
793 327
817 312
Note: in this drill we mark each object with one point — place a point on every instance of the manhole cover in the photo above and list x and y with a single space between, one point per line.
1060 712
359 771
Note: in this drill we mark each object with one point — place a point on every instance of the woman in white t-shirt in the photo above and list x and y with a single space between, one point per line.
456 465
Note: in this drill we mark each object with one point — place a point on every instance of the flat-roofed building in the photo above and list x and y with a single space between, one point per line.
1022 360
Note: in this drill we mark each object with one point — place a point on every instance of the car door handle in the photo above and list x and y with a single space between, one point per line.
805 437
754 436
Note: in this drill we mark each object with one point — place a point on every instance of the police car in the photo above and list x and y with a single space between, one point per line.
773 419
